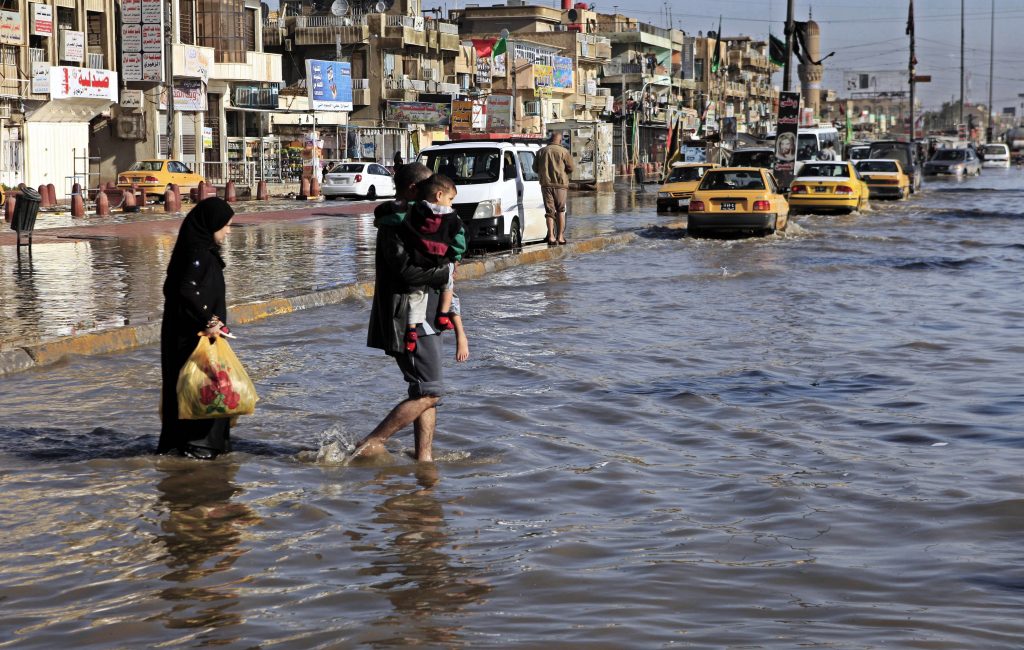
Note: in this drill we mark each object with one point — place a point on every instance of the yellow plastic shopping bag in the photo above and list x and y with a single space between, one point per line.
213 383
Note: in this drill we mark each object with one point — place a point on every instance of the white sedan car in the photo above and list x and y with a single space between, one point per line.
366 180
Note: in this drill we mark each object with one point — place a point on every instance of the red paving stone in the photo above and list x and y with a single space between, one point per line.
152 225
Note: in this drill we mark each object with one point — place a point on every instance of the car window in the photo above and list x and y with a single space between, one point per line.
949 154
772 185
753 158
509 172
146 166
465 166
994 150
831 171
686 174
732 180
526 166
379 170
347 168
877 166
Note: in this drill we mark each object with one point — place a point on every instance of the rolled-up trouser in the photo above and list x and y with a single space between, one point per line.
554 200
421 368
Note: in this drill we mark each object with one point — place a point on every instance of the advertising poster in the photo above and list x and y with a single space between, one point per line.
131 11
11 32
329 84
189 96
72 45
462 116
198 62
42 20
562 72
430 113
41 77
785 136
499 113
142 44
82 83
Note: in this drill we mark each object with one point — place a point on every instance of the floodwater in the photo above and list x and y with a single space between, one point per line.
809 440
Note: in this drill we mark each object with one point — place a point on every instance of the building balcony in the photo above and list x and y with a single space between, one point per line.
258 66
756 62
734 89
94 60
273 33
401 32
326 30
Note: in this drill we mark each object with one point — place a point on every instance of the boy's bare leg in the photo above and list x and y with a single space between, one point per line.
424 428
444 302
406 412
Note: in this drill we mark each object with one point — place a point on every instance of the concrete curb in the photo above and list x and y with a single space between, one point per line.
126 338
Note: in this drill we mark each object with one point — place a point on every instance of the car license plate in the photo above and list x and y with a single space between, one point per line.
821 188
683 203
728 205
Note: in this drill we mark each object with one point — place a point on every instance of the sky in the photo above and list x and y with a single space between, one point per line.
866 35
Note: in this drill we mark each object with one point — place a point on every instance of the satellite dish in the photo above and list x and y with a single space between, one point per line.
573 15
339 7
380 7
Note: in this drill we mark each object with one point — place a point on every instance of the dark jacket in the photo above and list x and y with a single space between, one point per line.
396 275
432 238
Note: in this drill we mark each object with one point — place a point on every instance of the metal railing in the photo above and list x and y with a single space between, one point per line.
93 60
655 31
222 172
329 21
412 22
36 54
614 69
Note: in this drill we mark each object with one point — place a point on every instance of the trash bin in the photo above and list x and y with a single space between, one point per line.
26 207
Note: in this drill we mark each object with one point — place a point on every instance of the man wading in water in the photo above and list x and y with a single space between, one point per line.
421 368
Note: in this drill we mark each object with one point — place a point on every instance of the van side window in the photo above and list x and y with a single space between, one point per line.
509 171
526 166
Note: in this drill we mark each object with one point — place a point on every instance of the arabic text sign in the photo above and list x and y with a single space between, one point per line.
72 45
152 11
131 11
462 116
189 96
152 67
11 32
40 77
499 113
420 113
329 84
131 98
42 20
557 75
82 83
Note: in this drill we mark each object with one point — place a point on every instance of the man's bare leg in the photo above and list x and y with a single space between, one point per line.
561 227
400 417
424 428
551 229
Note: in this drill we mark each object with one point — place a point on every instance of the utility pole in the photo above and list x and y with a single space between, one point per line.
962 63
913 72
173 150
789 46
991 68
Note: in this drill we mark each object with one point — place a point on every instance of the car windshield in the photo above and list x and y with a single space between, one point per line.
817 169
859 153
764 159
994 150
949 154
347 168
892 153
465 166
732 180
877 166
684 174
147 166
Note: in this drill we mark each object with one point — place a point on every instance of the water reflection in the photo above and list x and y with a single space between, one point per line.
425 587
202 533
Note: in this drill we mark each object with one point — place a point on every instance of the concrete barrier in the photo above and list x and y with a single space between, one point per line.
125 338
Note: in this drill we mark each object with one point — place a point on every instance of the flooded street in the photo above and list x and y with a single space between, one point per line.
809 440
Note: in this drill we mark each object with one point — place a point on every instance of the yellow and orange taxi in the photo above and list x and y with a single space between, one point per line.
156 175
738 199
885 178
683 178
827 186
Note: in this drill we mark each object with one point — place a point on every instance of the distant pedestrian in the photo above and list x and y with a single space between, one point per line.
639 176
554 166
827 152
195 304
398 159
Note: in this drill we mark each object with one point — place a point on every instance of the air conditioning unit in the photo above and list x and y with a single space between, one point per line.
427 74
5 111
531 108
287 45
131 126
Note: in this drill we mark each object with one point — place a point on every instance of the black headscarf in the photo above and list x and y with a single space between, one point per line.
196 233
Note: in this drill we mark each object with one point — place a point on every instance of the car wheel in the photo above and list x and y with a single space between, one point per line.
515 237
371 194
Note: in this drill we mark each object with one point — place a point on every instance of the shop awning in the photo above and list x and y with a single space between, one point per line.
66 110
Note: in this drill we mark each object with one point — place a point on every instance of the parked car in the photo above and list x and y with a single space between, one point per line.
960 162
885 178
857 151
753 157
499 197
827 186
738 199
995 155
359 179
906 153
155 176
682 180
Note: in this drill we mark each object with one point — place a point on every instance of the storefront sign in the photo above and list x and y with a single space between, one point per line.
11 32
131 37
41 77
131 11
142 44
207 137
152 11
68 82
483 71
152 37
499 113
189 96
329 84
419 113
131 99
131 66
152 67
72 45
462 116
198 62
42 20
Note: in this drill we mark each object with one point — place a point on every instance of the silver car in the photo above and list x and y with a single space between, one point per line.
953 162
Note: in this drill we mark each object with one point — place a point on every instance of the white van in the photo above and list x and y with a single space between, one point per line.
499 197
995 155
810 142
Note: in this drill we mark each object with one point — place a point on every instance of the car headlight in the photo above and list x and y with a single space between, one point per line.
488 209
664 195
956 168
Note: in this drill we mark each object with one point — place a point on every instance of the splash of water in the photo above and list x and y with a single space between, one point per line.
335 447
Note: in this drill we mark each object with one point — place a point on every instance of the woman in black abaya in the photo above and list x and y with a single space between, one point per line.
195 303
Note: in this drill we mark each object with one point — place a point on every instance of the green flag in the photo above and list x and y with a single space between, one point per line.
499 48
716 58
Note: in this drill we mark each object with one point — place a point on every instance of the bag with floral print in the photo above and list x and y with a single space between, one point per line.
213 383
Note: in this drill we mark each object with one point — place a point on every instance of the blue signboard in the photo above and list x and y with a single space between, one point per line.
329 84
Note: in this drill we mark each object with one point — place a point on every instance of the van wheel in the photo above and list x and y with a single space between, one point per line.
371 194
515 237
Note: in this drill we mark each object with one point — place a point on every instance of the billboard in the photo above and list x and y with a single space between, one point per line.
881 82
329 85
430 113
785 136
557 75
499 113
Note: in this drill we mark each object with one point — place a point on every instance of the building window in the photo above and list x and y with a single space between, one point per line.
220 25
250 30
187 22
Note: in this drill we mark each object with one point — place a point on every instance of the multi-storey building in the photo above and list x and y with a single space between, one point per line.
741 90
57 86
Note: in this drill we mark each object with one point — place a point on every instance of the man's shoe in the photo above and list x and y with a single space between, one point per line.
200 453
